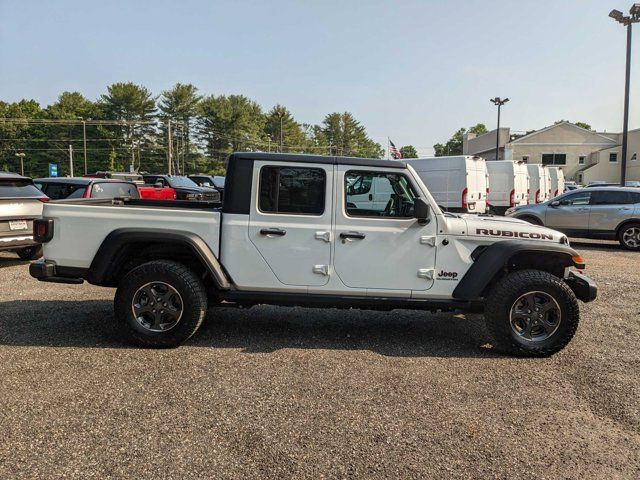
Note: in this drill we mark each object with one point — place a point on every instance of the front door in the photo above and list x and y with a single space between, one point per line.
572 214
381 248
290 221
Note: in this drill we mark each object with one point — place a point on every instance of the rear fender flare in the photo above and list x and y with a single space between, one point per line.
105 265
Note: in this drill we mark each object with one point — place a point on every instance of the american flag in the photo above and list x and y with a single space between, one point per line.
395 153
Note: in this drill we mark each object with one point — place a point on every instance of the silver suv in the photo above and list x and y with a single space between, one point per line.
20 203
599 212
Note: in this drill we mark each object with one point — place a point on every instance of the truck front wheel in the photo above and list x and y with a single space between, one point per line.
160 304
531 313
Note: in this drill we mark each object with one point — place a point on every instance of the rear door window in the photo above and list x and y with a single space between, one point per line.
612 198
18 189
293 190
114 190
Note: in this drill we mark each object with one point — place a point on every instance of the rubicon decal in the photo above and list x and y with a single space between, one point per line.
442 275
510 234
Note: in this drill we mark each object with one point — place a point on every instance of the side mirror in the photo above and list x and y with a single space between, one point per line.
555 203
158 185
421 210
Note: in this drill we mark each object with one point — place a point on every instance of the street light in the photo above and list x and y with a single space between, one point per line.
626 20
499 102
21 156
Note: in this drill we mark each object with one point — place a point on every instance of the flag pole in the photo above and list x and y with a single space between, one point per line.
388 148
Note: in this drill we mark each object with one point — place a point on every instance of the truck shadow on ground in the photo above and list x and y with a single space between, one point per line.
261 329
12 262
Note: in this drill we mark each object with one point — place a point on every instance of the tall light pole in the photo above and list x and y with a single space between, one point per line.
499 102
21 155
626 20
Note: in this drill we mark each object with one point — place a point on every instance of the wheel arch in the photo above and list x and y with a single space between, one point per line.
491 263
624 223
126 248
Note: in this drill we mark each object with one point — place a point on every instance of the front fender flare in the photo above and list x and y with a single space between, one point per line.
497 256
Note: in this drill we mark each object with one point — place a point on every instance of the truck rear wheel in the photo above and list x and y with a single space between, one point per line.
160 304
30 253
531 313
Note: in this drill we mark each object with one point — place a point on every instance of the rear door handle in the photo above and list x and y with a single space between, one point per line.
273 231
370 197
353 235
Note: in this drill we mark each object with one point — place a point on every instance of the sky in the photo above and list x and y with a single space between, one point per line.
414 71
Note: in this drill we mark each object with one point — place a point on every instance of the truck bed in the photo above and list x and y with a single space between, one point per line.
95 219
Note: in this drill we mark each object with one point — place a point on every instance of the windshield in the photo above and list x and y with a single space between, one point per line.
182 182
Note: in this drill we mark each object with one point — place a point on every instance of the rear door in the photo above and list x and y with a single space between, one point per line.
609 208
476 185
290 220
572 214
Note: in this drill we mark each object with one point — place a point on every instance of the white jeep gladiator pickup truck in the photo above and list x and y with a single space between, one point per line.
289 233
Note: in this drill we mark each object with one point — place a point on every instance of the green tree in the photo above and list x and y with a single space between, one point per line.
454 144
135 105
346 136
180 105
281 127
408 151
230 123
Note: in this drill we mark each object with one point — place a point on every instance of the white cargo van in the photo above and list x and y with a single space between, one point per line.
508 185
457 183
556 187
539 182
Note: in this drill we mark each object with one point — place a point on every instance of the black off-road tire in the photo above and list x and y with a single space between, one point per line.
179 277
30 253
621 233
504 294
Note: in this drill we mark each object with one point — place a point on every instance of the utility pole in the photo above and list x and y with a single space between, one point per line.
170 148
84 144
71 159
627 21
499 102
281 136
21 155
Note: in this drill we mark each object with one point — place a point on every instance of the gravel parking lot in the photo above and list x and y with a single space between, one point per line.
288 392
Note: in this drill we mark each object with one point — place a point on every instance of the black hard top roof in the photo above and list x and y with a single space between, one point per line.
304 158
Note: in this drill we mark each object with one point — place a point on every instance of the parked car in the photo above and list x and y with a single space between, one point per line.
59 188
457 183
556 187
538 183
290 233
570 185
215 181
632 183
508 185
20 203
151 192
602 184
600 212
184 187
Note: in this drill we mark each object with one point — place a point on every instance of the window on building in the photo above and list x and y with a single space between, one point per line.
292 190
525 158
554 158
634 157
613 157
582 159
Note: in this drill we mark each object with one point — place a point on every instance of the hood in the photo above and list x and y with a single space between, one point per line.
509 228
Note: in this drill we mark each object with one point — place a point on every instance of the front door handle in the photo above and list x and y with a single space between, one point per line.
273 231
353 235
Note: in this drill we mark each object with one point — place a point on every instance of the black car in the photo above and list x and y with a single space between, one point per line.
185 188
58 188
215 181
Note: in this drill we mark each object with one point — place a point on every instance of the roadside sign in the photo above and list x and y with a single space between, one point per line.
53 169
